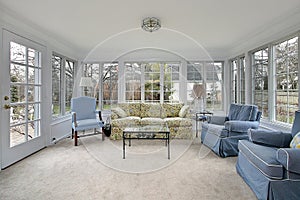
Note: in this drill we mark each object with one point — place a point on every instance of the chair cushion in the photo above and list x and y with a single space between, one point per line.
296 123
269 137
263 158
85 124
295 143
183 111
243 112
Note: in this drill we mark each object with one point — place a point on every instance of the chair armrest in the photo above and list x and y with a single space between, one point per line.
289 158
218 120
270 138
99 114
240 126
74 119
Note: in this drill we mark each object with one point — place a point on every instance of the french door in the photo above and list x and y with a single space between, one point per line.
21 81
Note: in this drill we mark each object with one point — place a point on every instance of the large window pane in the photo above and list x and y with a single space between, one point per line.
110 85
152 82
260 73
69 80
56 85
214 85
133 72
286 71
171 82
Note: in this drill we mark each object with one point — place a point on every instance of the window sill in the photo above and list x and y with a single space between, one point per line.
61 119
275 125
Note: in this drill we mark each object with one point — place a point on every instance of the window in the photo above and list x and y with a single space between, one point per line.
214 73
25 93
210 74
152 82
194 76
234 73
286 74
133 72
260 64
110 85
105 79
171 82
242 80
238 80
62 85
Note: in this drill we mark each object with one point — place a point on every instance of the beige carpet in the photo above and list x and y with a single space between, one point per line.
63 171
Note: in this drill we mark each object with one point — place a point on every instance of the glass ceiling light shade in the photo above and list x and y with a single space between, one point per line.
151 24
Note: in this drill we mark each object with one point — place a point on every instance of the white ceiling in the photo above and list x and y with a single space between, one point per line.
216 25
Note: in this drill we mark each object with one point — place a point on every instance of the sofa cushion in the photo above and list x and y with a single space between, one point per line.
171 109
263 158
243 112
126 121
119 112
178 121
150 110
131 109
151 120
295 143
183 111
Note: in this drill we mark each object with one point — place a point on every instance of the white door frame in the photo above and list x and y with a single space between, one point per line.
10 155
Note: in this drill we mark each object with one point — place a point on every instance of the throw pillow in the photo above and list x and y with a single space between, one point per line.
120 112
295 143
183 111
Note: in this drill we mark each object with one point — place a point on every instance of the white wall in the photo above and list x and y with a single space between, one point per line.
9 22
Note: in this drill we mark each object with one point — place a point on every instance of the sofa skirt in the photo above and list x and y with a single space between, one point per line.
263 187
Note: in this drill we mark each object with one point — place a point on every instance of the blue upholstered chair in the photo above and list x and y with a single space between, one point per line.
222 133
84 117
268 165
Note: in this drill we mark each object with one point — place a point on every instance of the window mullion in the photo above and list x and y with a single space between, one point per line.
63 84
272 83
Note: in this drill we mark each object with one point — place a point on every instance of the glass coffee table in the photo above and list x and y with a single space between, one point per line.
147 132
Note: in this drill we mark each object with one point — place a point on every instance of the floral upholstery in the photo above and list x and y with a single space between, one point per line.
150 110
178 121
151 120
171 109
131 109
152 113
123 122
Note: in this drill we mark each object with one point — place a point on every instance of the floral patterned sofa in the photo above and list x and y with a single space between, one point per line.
176 115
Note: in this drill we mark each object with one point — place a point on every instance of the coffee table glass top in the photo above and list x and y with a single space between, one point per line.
157 128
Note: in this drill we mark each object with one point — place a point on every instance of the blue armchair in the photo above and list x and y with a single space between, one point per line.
268 165
222 133
84 117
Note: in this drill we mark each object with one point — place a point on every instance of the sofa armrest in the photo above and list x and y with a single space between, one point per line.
240 126
218 120
289 158
270 138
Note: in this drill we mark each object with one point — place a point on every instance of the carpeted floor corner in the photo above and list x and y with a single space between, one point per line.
63 171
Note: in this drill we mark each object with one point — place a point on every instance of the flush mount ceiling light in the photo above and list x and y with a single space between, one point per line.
151 24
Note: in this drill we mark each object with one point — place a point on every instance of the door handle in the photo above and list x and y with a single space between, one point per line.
6 106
